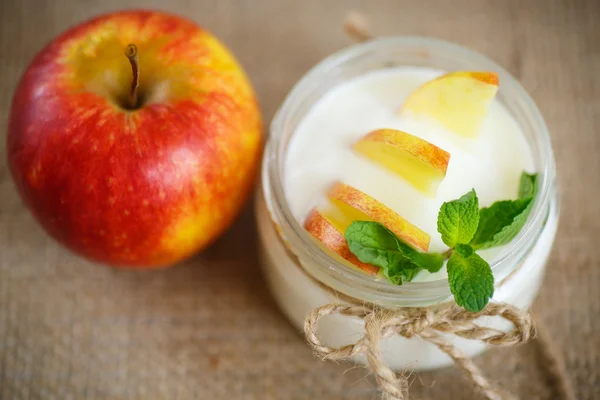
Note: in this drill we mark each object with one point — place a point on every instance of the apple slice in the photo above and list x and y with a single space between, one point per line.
458 100
353 205
421 163
328 235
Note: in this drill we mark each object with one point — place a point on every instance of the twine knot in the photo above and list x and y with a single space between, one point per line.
429 323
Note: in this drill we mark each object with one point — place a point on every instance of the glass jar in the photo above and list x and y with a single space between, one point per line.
302 277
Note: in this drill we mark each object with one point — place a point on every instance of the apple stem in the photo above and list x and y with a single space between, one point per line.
132 54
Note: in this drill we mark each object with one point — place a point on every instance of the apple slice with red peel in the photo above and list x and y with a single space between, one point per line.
328 235
353 205
457 100
421 163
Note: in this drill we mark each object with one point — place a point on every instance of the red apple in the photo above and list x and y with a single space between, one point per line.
128 175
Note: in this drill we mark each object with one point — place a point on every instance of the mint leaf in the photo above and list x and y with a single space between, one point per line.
401 270
500 223
409 273
527 185
471 281
432 262
373 243
464 250
458 219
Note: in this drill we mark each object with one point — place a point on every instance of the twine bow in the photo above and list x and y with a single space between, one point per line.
429 323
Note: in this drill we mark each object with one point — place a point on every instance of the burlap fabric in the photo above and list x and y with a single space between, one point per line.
208 329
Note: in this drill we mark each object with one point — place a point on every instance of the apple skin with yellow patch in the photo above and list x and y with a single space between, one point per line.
421 163
137 185
328 235
350 204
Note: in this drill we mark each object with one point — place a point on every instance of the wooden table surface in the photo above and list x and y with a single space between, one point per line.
208 329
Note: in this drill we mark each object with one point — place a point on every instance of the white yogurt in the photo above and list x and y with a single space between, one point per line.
320 153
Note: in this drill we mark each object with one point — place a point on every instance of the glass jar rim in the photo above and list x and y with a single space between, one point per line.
302 244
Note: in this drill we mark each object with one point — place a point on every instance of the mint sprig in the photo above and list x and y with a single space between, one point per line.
465 229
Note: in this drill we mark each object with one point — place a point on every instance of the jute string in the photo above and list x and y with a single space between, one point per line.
429 323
